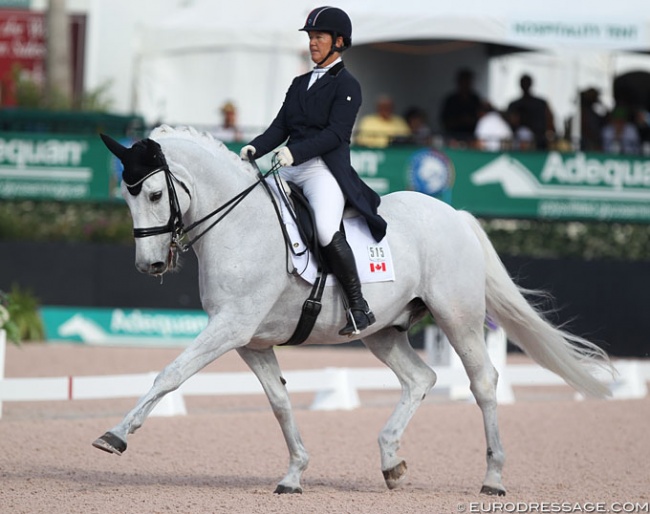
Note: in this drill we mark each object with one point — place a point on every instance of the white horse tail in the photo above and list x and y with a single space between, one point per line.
569 356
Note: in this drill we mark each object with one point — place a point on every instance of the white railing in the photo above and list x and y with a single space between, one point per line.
334 388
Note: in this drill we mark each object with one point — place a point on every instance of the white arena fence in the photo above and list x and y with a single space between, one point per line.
334 388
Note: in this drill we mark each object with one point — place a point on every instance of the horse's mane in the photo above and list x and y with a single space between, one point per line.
204 139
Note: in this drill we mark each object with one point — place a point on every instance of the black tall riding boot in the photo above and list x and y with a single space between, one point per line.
340 259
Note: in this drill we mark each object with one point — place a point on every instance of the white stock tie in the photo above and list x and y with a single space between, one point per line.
316 74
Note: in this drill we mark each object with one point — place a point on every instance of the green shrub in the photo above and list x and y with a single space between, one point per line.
19 315
59 221
111 223
570 239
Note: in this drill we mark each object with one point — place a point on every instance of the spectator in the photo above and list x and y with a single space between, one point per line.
619 135
459 112
642 121
377 130
522 136
419 131
533 113
228 131
492 131
592 120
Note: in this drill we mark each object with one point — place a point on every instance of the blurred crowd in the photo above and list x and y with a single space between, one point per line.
468 121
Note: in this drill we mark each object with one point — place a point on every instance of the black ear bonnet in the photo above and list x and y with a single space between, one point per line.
144 157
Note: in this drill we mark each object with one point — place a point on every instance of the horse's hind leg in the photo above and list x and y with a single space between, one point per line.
265 366
394 350
468 340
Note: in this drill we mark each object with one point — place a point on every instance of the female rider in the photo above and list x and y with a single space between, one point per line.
316 121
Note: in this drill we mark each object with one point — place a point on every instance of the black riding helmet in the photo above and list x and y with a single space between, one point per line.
332 20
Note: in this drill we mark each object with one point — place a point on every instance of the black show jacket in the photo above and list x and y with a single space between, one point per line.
319 122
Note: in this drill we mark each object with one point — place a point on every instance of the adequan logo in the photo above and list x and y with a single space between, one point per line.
22 152
575 177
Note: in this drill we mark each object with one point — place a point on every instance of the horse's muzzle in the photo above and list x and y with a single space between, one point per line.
154 268
159 267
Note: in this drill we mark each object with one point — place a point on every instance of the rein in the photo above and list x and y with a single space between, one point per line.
175 224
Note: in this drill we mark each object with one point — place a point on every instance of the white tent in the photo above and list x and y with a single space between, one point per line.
192 60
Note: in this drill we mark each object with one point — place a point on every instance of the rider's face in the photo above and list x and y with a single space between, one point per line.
320 44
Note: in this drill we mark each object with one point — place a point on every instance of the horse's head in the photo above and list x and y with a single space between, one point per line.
156 205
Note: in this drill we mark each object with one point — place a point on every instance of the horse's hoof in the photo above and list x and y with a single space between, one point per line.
395 476
110 443
493 491
285 489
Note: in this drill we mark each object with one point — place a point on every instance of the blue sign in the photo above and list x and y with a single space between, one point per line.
432 173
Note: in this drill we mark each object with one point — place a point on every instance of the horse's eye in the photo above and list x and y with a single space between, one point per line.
154 197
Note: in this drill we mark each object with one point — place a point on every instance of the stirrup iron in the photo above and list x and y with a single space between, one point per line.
352 322
351 319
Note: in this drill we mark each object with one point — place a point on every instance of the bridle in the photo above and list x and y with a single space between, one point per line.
175 222
175 225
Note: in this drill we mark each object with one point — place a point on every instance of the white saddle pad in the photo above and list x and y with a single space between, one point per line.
374 260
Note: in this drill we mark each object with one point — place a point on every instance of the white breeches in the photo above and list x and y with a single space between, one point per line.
323 192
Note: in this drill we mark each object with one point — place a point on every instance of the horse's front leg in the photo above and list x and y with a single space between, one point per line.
210 344
265 366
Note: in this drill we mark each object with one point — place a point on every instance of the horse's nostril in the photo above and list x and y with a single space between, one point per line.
157 267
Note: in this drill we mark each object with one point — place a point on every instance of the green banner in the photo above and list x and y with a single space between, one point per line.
524 184
54 166
122 327
552 185
397 169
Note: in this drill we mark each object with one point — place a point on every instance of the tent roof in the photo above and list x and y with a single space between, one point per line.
536 24
539 24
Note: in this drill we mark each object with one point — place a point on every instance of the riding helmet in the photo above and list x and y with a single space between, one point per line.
332 20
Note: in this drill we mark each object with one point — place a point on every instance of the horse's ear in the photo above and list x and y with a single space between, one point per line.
117 149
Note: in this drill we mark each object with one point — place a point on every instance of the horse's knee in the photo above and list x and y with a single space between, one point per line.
282 412
169 379
281 406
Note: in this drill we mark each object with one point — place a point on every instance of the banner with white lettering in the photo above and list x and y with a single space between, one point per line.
122 327
614 34
552 185
55 166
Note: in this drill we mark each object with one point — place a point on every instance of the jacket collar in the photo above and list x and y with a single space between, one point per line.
327 78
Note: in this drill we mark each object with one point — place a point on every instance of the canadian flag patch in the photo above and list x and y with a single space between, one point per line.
377 266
